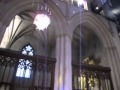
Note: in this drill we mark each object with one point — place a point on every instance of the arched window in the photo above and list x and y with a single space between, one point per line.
25 66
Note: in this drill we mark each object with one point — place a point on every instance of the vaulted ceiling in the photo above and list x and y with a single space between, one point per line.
22 25
26 23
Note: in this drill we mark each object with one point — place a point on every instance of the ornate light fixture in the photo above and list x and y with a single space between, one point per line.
42 18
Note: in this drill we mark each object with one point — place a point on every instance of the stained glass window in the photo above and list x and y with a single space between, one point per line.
25 66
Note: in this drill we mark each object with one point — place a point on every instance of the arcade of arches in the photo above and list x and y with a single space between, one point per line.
71 38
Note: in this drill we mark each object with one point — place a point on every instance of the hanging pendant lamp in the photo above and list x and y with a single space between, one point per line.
42 18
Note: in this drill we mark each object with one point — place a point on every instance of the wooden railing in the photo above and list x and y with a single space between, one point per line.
41 71
91 77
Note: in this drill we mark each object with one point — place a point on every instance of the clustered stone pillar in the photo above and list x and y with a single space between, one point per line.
63 69
113 60
2 30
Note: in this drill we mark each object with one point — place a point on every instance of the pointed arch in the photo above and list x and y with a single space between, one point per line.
25 66
100 27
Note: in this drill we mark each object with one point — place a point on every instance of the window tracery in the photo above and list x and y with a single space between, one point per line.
25 66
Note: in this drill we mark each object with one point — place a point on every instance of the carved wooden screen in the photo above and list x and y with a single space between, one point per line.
91 77
41 77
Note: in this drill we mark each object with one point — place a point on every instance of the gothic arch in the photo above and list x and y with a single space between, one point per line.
100 28
17 6
93 22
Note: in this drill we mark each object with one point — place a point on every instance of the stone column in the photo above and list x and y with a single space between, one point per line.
63 69
2 30
114 64
68 64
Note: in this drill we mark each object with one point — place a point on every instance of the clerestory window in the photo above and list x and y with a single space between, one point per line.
25 66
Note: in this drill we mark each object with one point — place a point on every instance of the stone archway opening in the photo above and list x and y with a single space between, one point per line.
88 61
85 44
21 30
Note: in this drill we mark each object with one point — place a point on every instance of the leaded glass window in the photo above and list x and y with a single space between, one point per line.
25 66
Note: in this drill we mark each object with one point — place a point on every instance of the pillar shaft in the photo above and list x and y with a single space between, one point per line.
2 31
63 69
113 61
